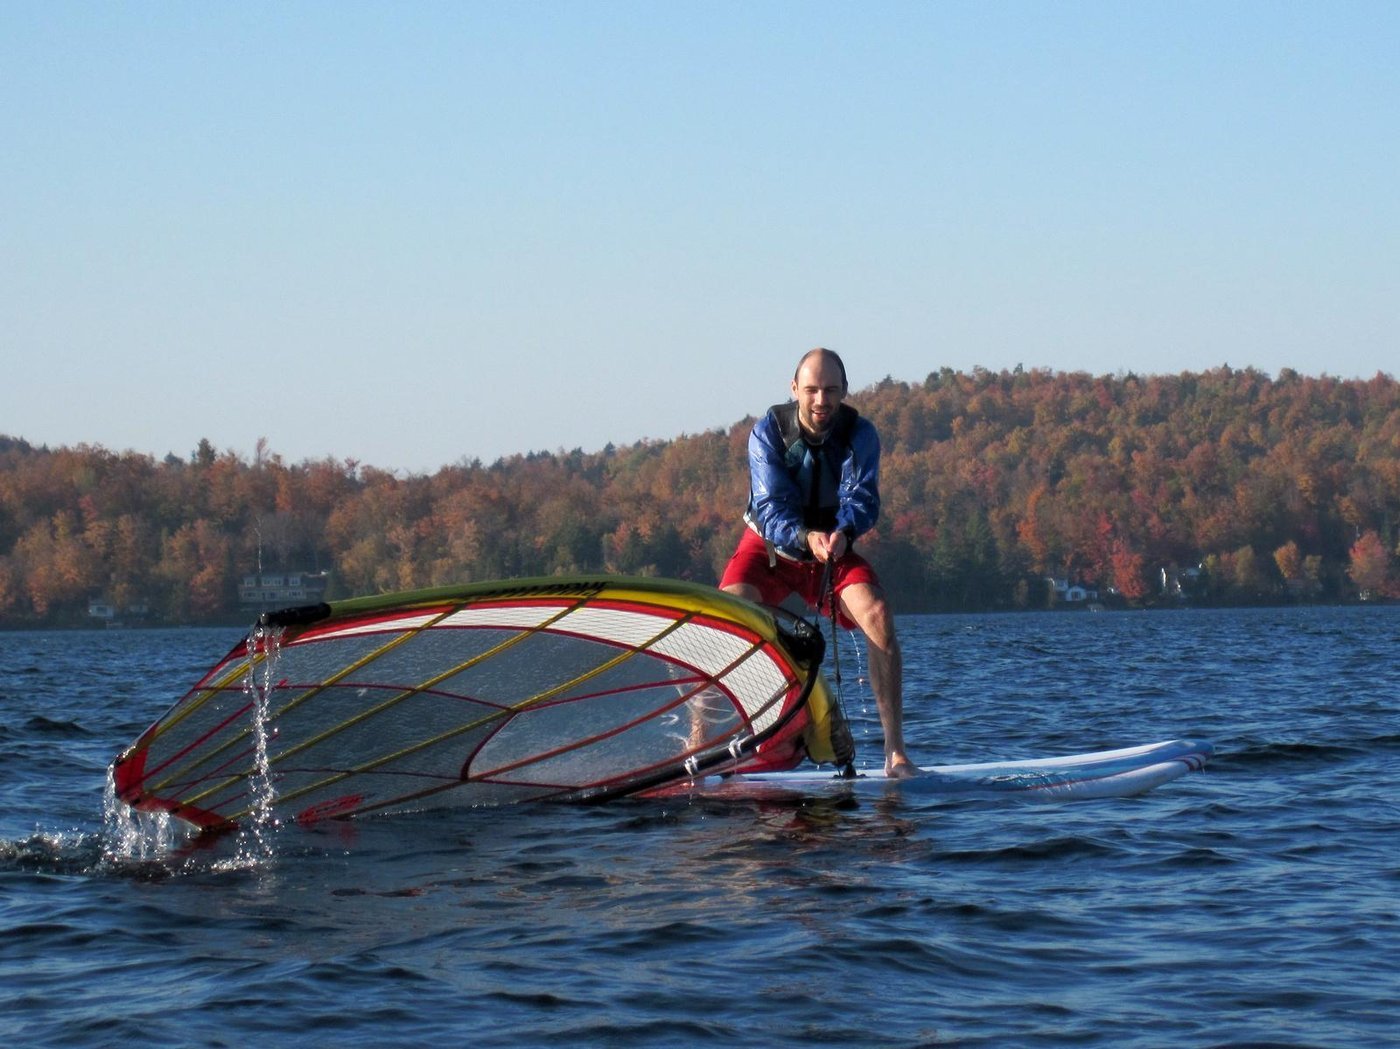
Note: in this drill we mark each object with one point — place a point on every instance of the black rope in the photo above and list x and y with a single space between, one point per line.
827 593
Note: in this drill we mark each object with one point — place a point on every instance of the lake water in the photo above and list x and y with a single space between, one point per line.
1254 904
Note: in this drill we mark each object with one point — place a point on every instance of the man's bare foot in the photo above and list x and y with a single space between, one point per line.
901 768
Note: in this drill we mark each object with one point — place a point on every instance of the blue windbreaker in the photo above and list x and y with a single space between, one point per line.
783 505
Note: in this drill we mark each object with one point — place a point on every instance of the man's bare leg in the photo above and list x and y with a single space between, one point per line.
866 606
744 590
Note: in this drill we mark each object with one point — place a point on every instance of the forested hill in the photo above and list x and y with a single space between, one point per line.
1230 486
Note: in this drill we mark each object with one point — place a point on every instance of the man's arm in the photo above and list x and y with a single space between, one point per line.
860 482
776 501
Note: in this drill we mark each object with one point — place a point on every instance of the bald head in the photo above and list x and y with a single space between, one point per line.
821 355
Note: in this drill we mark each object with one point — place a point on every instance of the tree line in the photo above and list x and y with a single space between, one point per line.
1226 486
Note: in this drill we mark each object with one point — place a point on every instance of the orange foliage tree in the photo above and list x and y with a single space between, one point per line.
1372 567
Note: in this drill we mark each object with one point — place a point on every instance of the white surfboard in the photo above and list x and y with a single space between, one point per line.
1102 774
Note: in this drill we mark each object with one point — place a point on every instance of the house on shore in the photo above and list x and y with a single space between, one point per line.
269 591
109 615
1071 593
1179 583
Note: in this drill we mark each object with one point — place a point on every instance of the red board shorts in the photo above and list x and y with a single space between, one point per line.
803 578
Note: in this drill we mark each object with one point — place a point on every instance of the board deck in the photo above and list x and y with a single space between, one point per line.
1103 774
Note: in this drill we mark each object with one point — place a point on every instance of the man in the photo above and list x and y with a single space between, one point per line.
814 469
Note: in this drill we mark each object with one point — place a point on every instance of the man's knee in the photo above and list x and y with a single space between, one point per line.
880 627
747 591
867 606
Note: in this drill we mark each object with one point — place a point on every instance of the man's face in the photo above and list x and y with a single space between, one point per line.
819 392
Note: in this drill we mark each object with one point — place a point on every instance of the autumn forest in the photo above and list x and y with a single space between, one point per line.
1224 487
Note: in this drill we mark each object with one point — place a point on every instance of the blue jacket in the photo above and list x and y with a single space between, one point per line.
795 487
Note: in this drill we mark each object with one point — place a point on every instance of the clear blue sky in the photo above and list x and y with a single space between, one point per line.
410 233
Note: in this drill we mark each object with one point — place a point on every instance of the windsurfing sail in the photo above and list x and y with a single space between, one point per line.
569 688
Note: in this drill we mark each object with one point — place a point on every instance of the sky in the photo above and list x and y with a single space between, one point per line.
415 234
